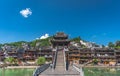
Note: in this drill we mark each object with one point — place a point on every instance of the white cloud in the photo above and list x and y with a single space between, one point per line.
44 36
26 12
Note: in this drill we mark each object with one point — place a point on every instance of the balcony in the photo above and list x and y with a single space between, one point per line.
64 40
74 55
44 53
85 56
74 59
48 56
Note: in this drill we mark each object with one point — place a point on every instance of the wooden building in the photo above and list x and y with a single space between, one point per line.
12 53
117 54
45 52
30 55
105 55
73 54
80 56
2 56
60 40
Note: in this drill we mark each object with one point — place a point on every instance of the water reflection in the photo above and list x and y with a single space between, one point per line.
102 71
16 72
87 71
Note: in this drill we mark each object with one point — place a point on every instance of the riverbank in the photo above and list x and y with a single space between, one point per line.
103 66
96 66
87 66
20 67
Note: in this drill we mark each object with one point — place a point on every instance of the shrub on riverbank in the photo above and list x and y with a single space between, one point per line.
41 60
11 61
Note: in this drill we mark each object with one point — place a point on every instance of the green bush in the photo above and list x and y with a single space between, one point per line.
11 60
41 60
95 61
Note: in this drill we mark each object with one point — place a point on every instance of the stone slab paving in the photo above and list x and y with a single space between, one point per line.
60 68
60 72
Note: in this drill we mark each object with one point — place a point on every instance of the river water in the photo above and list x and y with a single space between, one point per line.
87 72
102 71
16 72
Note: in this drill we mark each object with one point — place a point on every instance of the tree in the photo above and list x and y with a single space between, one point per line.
33 43
117 43
42 42
76 39
11 60
16 44
1 45
95 61
110 44
103 46
41 60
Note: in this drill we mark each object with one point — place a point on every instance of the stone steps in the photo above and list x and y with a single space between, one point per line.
60 72
60 68
60 60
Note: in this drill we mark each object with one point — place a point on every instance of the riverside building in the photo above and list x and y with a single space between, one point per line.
60 41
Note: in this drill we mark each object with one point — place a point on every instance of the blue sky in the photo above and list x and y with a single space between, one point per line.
93 20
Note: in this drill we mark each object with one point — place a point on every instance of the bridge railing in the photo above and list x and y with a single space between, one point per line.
40 69
55 59
79 69
64 59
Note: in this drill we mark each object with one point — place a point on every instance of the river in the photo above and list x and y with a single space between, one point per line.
102 71
87 72
16 72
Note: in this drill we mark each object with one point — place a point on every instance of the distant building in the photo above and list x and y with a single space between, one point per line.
2 57
89 44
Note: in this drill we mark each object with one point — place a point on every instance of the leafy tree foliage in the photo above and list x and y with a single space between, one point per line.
95 61
0 44
117 43
103 46
41 60
42 42
45 42
33 43
11 60
110 44
18 44
76 39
